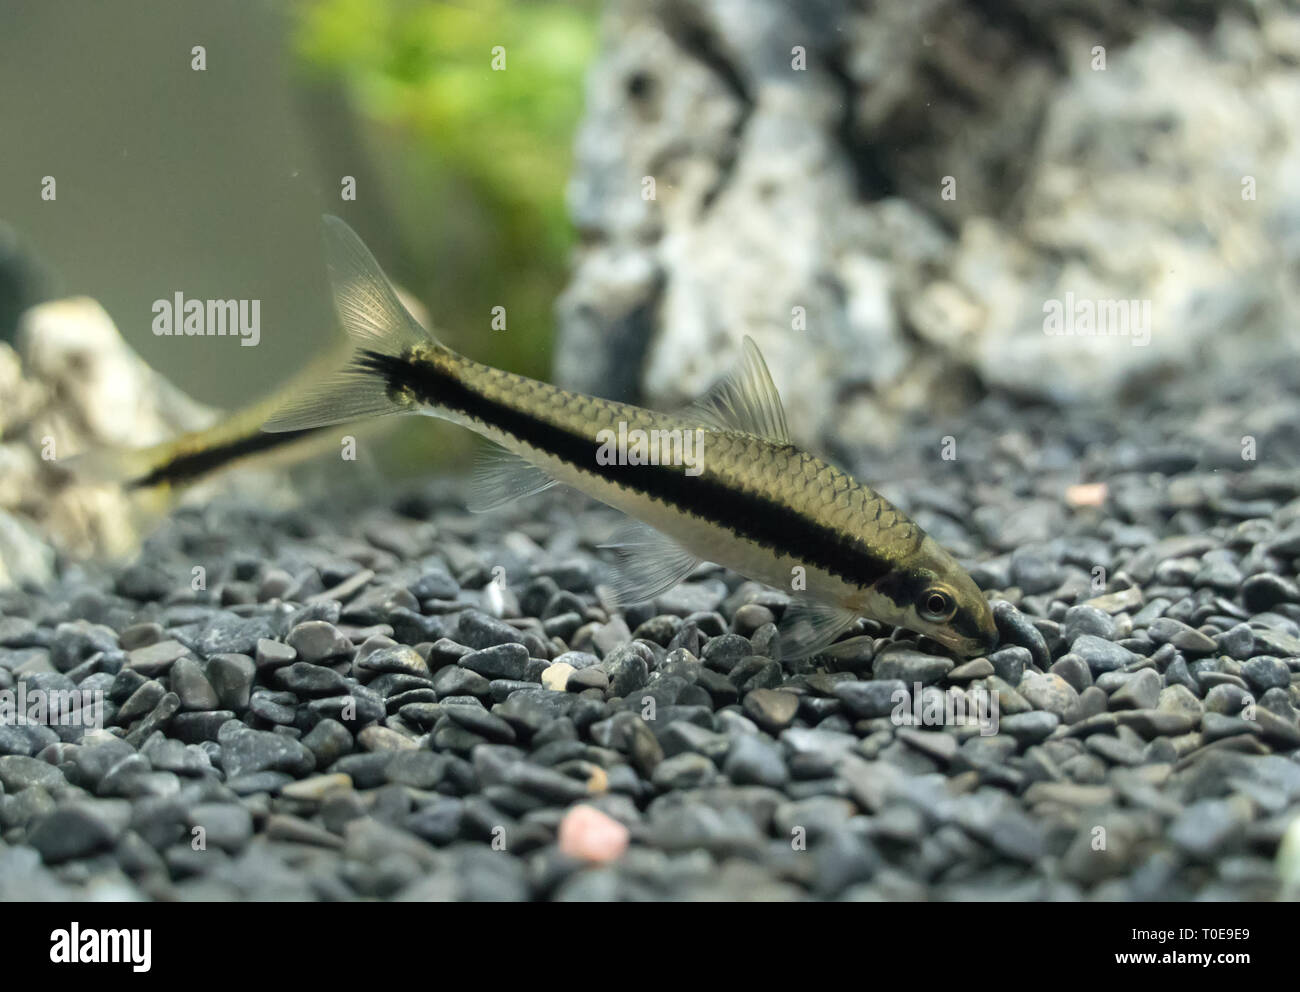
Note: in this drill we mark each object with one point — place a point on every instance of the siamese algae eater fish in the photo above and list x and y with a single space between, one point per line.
733 490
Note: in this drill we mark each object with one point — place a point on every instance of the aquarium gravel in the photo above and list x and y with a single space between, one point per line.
381 696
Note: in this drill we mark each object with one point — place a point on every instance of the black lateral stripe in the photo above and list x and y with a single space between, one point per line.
769 524
189 466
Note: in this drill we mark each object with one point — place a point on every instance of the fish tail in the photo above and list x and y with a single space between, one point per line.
125 467
186 458
384 336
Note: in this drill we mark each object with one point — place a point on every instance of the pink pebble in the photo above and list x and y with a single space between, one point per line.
589 835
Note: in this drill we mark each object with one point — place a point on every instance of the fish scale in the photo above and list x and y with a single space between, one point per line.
782 474
746 498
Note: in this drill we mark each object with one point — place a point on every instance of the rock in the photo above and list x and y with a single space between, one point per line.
935 744
76 641
397 659
770 709
229 634
25 739
1141 692
262 705
80 829
1016 629
385 739
588 678
1179 699
1264 591
231 678
479 721
1216 726
280 826
328 741
1238 642
628 733
311 681
418 769
18 772
1029 728
228 826
1087 619
588 835
556 676
316 788
753 761
141 701
190 685
1120 601
1048 692
872 699
684 771
1075 671
1009 663
456 681
316 640
626 669
434 583
971 671
478 631
692 597
272 654
501 661
245 751
1151 724
842 862
156 658
901 664
1266 673
1166 630
1205 828
1101 655
1115 750
157 718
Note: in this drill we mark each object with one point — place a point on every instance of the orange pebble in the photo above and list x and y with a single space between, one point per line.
590 835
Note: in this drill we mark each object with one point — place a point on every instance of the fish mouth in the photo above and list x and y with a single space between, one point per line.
977 647
971 640
989 638
965 646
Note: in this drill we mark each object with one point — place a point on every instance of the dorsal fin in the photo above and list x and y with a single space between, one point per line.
744 400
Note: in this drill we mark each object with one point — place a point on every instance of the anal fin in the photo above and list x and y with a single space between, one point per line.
648 565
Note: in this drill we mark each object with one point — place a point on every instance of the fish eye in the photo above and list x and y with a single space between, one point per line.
936 605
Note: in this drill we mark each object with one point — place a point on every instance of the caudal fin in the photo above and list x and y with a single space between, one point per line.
126 467
376 323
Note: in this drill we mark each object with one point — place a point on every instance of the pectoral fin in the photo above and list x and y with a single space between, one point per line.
809 627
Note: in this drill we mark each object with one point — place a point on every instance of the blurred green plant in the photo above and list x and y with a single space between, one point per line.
484 153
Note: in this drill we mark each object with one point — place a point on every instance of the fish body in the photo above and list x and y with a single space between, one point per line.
165 469
719 481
